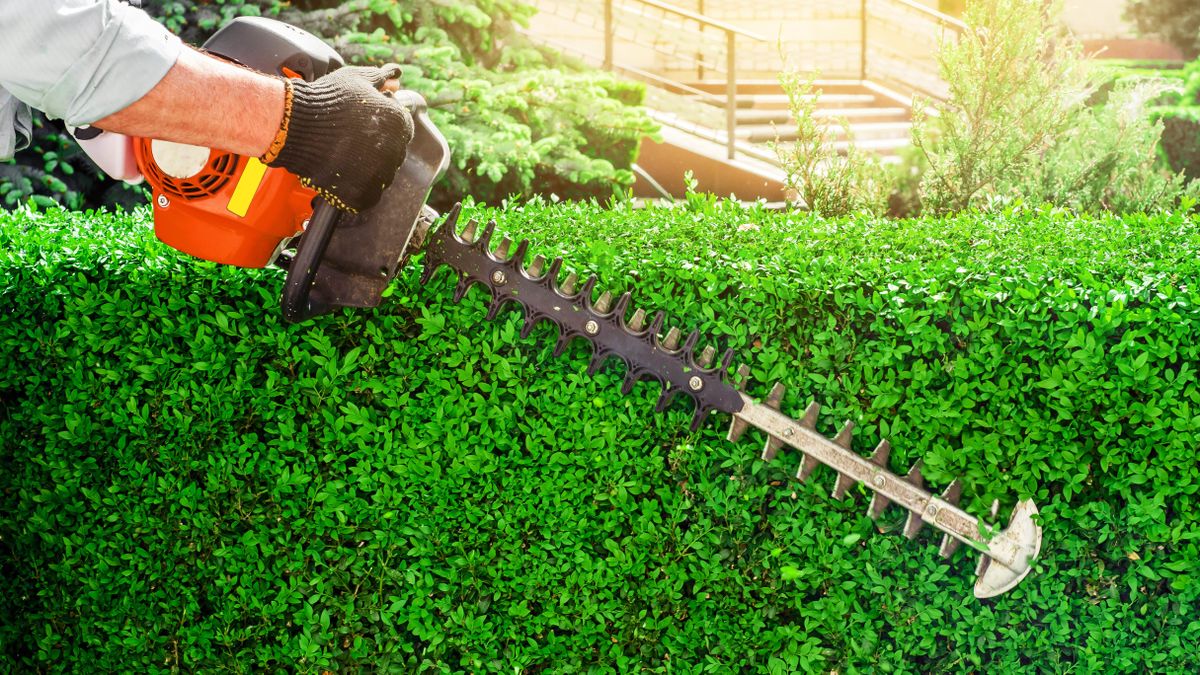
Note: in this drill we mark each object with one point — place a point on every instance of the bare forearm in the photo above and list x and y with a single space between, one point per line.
207 102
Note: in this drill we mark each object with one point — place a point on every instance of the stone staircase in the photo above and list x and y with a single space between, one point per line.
875 122
874 56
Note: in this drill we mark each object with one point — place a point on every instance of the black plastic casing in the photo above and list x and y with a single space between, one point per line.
270 46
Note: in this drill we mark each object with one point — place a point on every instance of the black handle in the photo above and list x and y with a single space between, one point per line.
302 271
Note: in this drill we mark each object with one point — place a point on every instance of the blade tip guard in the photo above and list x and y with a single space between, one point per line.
996 578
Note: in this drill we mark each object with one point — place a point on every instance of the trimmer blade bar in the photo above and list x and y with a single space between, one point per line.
650 351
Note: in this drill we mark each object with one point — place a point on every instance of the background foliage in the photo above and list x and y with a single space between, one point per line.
519 118
1181 138
1177 21
829 181
190 483
1028 118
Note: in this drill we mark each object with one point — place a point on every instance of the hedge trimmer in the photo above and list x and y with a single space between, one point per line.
233 210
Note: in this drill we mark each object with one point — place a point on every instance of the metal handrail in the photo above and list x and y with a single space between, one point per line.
702 19
731 34
936 18
944 19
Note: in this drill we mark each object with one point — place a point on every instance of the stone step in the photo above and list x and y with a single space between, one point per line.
772 86
762 133
751 116
781 102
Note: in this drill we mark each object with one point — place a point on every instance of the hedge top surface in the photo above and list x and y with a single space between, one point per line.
192 484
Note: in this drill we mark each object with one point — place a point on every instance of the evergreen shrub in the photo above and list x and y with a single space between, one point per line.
521 119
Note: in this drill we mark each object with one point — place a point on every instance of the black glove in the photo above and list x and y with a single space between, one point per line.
342 136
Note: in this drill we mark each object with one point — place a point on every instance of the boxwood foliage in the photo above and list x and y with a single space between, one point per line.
191 484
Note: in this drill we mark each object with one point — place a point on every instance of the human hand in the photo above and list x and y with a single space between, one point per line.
343 135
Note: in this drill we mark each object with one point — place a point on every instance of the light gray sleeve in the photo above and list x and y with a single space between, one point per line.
81 60
16 125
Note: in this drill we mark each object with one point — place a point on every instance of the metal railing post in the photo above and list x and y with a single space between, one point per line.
731 92
608 34
700 55
862 64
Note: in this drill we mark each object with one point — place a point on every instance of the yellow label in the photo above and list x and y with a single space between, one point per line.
243 194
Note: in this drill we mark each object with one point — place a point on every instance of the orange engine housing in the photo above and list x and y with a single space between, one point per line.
233 210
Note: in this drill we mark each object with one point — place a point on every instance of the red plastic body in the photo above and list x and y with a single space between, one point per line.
193 214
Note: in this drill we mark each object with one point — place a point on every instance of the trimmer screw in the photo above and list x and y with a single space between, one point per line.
163 202
696 383
591 328
499 278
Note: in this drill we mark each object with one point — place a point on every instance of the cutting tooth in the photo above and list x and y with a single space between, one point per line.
451 219
844 436
627 384
671 342
656 324
776 396
982 566
638 322
469 232
773 444
518 256
622 306
951 495
604 303
809 421
706 357
743 375
843 439
430 266
880 456
880 459
698 418
501 252
527 326
597 362
552 272
953 492
461 288
949 546
534 271
485 237
726 360
560 346
807 465
494 307
664 398
913 524
737 427
770 448
842 485
568 284
589 284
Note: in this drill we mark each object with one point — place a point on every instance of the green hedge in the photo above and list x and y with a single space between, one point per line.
1181 138
191 484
